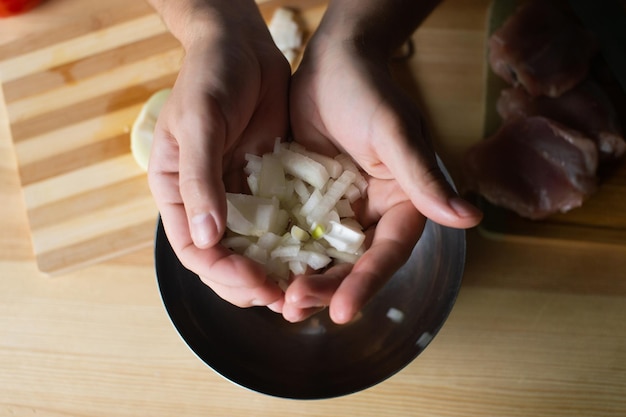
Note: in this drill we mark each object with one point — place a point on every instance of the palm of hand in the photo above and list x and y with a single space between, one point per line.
342 109
221 107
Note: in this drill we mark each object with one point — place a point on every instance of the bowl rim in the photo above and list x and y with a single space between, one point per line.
214 364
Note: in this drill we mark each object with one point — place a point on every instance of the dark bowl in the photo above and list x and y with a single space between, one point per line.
257 349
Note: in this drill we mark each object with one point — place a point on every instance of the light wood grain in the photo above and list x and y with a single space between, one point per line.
70 104
71 94
538 329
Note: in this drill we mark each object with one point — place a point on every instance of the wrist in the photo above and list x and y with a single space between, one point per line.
351 28
193 21
375 27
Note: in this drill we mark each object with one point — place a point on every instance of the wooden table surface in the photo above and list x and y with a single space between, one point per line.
539 328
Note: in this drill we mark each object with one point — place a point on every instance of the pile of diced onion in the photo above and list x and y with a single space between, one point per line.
299 216
286 33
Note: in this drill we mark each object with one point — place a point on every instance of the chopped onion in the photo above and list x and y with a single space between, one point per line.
333 166
332 196
303 167
286 33
301 189
297 267
269 240
353 193
348 165
254 163
340 256
395 315
237 243
236 221
257 253
299 233
250 215
313 259
314 201
344 238
296 195
272 177
287 251
344 209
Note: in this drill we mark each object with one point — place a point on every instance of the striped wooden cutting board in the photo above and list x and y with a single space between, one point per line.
74 76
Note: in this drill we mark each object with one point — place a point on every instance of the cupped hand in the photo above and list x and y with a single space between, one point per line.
343 98
230 98
344 94
392 226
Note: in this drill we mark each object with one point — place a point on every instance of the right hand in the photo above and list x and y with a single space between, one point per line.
230 98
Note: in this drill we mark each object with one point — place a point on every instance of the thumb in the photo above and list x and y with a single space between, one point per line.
416 168
200 175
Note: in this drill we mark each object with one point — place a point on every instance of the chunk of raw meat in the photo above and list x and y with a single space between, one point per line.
534 167
541 49
585 108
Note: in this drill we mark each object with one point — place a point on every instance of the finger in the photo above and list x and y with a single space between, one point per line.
217 264
163 182
222 266
414 165
396 234
201 142
431 193
277 306
265 294
307 294
298 315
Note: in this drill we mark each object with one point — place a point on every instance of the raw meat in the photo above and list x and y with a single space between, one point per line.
541 49
534 167
585 108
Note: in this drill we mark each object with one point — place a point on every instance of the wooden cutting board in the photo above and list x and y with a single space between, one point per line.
74 76
75 73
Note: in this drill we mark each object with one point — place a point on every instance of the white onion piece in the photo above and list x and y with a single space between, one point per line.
299 216
395 315
303 167
286 33
331 197
333 166
272 177
344 209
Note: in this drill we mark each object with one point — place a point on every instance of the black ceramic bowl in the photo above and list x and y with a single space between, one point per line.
316 359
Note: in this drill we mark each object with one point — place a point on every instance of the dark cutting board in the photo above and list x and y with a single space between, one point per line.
601 219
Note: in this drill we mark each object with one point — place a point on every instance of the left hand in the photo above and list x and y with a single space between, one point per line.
393 226
342 98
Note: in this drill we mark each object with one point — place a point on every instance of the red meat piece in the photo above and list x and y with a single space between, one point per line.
541 49
534 167
586 108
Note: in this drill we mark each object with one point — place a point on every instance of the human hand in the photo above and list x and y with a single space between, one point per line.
345 96
392 227
342 97
230 98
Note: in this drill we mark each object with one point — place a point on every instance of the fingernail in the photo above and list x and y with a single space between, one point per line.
309 302
464 208
203 230
276 307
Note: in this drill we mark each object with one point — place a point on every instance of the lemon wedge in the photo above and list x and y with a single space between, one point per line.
142 131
